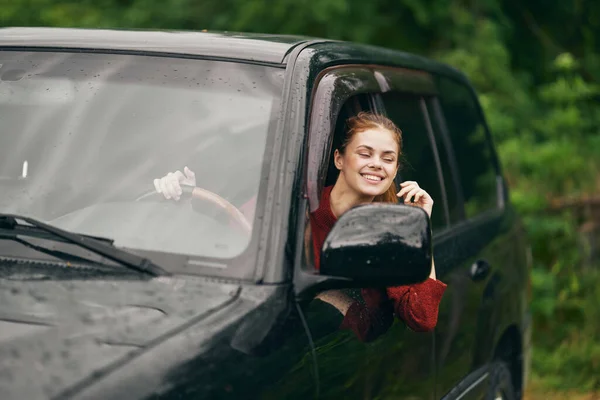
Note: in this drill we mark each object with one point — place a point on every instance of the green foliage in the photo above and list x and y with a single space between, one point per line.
547 137
568 353
536 66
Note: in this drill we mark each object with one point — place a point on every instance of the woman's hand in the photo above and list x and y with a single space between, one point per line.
170 184
336 298
415 196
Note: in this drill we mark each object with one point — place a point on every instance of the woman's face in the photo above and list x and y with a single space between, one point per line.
370 162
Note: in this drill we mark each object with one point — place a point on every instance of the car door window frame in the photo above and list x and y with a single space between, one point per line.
333 87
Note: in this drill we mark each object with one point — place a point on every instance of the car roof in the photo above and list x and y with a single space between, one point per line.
243 46
248 47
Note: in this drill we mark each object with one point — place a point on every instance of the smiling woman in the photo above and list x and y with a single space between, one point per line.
374 152
368 161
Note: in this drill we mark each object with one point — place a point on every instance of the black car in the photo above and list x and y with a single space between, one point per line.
109 291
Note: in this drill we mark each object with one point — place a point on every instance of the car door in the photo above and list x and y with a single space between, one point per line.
398 363
467 250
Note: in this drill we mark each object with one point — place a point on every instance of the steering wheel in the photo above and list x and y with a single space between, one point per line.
203 194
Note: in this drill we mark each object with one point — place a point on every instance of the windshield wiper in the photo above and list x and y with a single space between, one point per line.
96 245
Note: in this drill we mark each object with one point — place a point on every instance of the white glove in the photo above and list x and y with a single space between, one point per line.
170 184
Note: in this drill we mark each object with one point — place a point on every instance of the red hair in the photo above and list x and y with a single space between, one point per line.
365 121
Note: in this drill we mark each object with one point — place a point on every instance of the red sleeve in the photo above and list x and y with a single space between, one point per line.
370 320
418 305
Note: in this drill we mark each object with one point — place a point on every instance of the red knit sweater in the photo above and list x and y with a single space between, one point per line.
417 305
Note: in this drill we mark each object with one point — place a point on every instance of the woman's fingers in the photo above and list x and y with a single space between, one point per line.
169 185
411 194
419 194
401 192
421 199
412 189
406 189
406 183
408 192
173 189
190 177
163 187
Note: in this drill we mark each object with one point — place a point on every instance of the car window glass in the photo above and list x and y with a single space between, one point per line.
84 136
418 160
446 158
471 147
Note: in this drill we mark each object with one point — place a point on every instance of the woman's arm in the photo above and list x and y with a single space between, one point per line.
338 299
367 320
432 273
418 305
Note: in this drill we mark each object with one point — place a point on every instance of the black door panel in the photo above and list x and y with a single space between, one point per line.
474 252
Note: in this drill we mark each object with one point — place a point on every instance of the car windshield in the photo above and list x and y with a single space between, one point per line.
84 136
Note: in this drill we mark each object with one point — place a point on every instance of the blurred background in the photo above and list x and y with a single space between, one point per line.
536 65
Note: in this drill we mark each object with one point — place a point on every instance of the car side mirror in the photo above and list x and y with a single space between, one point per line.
380 245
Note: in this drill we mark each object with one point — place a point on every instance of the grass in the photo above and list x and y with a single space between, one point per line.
536 391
